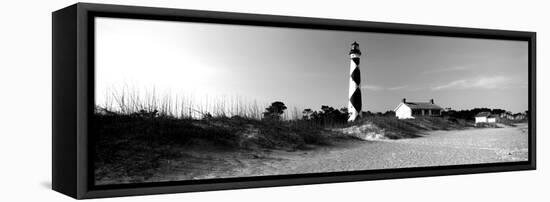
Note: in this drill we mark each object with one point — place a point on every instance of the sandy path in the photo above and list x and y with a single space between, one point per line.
470 146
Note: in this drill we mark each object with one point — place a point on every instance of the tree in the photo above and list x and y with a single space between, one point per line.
306 114
389 113
368 113
345 112
498 111
330 116
275 110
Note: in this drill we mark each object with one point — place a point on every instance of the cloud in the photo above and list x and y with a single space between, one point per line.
397 88
381 88
448 69
488 82
372 87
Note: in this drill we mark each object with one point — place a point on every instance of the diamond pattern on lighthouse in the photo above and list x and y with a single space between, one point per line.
356 76
355 60
355 100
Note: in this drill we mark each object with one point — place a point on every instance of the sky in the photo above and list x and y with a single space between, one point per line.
307 68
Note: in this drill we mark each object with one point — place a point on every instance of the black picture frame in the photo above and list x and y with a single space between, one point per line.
73 93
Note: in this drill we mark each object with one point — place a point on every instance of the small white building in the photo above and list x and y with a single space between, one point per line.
485 117
410 110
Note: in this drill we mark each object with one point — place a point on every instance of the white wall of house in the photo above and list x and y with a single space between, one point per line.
491 120
403 112
481 119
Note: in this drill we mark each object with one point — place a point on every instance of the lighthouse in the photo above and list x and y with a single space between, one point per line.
354 104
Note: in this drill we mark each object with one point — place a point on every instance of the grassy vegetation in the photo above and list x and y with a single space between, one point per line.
395 128
132 145
135 132
509 122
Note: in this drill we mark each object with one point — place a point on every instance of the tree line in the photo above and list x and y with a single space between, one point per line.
329 115
326 115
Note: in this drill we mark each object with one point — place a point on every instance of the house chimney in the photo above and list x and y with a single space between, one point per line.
432 101
404 100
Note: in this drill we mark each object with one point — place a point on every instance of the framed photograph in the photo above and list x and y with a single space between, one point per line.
156 100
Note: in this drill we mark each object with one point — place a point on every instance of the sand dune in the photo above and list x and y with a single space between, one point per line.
436 148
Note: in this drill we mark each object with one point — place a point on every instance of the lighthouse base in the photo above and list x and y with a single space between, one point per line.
353 117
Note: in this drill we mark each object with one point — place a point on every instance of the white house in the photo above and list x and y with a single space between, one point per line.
410 110
485 117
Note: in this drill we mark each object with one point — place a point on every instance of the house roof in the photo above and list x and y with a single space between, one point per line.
483 114
422 105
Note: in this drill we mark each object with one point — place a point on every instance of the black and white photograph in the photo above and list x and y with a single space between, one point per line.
183 101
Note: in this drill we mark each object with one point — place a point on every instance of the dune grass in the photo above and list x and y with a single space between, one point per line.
134 132
395 128
133 145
